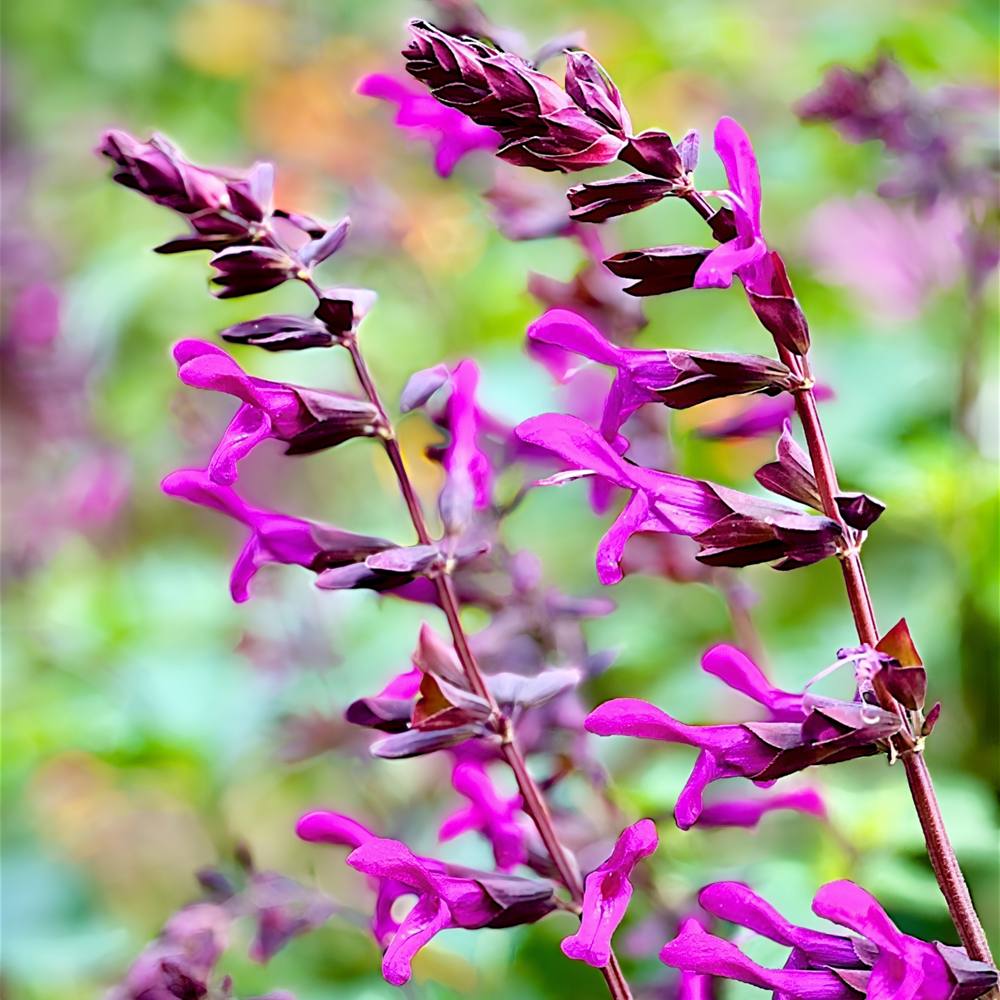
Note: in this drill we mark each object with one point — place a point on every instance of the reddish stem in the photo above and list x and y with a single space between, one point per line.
939 849
534 802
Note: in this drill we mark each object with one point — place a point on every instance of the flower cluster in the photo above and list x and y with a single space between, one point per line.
507 698
876 959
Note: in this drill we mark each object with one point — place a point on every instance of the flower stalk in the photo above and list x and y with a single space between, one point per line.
535 805
942 855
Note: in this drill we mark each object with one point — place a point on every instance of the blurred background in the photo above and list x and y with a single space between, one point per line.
150 725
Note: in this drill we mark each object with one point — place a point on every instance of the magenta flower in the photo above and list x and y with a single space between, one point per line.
606 895
742 256
275 538
805 730
743 252
307 420
695 950
732 528
881 963
489 813
449 898
469 484
325 827
736 670
679 379
452 133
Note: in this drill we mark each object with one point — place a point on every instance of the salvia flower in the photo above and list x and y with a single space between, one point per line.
679 379
542 125
469 482
325 827
489 813
732 528
447 896
606 895
452 133
877 960
739 256
307 420
743 252
812 730
278 538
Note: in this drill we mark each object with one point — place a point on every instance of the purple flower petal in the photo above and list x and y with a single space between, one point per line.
606 895
695 950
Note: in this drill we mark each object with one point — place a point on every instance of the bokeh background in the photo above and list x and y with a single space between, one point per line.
150 724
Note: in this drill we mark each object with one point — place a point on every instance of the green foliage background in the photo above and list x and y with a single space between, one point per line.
140 742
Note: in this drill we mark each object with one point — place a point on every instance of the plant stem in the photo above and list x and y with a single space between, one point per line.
534 802
939 849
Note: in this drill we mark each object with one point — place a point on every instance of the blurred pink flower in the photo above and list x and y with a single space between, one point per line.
893 257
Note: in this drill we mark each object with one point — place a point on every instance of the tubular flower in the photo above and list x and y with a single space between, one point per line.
452 134
880 962
489 813
447 896
679 379
804 730
732 528
606 895
307 420
277 538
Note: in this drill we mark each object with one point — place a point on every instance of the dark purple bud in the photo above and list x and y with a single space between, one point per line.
418 742
723 225
658 270
280 333
779 311
421 385
319 249
741 540
599 201
247 270
159 171
654 153
592 90
540 123
859 510
340 310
